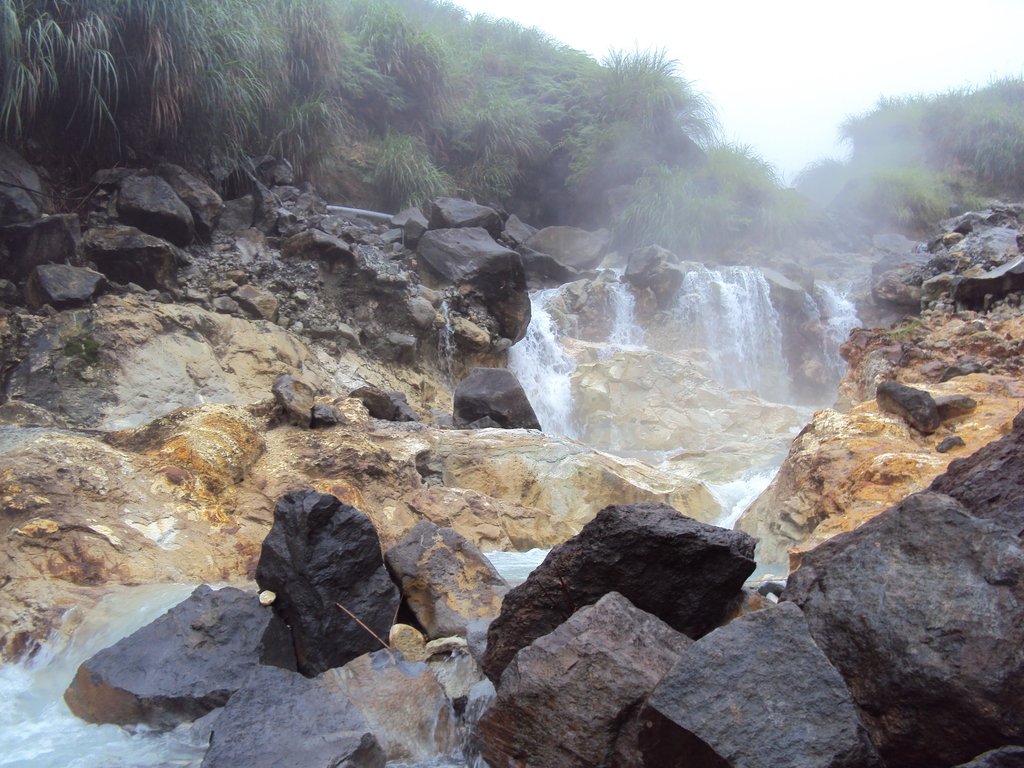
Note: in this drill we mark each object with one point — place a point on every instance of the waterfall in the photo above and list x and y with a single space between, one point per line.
839 317
543 367
730 314
625 332
446 341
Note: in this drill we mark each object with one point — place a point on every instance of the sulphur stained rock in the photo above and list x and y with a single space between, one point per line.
295 398
845 468
684 572
922 611
322 558
569 699
403 703
757 693
445 580
282 718
408 641
108 515
184 664
127 361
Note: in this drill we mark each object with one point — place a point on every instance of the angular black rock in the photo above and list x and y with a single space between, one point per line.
281 718
683 571
915 406
320 555
495 394
1004 757
184 664
150 203
756 693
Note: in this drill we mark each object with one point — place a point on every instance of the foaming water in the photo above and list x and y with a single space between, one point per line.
737 495
730 313
38 730
839 317
625 331
544 368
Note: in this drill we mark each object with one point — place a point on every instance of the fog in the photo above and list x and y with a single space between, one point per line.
783 76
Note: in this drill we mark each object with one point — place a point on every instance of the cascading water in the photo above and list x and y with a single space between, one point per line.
730 312
839 317
446 341
625 331
544 368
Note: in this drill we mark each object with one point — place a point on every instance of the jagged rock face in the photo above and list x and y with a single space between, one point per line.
127 360
445 580
495 397
21 191
150 203
203 203
322 559
61 285
570 697
921 611
158 506
50 240
845 468
184 664
757 692
282 718
403 704
129 255
682 571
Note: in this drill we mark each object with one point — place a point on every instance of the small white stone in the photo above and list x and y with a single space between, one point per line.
267 597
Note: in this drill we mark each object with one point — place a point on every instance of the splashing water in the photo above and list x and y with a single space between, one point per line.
839 317
736 495
544 368
446 341
731 314
625 332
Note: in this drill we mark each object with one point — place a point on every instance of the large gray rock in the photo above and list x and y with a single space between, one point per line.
205 205
314 244
323 560
494 395
471 257
657 269
50 240
127 255
150 203
61 286
756 693
184 664
922 611
971 292
684 572
915 406
445 579
1004 757
413 224
570 698
575 249
280 718
453 213
21 191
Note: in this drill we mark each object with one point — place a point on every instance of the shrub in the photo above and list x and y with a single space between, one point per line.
404 174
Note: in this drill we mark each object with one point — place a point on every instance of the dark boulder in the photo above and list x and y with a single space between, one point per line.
1004 757
126 255
281 718
947 444
413 224
445 579
314 244
990 482
915 406
323 560
570 698
453 213
575 249
50 240
205 205
388 406
685 572
756 693
21 191
922 611
965 368
954 406
61 286
184 664
471 257
495 394
516 231
238 214
974 292
150 203
295 398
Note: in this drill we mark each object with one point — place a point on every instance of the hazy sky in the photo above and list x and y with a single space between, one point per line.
783 75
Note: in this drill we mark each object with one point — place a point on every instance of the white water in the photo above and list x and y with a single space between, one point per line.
625 331
839 317
737 495
38 730
544 368
446 341
730 313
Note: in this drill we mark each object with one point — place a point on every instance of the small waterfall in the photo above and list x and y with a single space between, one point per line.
839 317
625 332
446 341
544 369
731 315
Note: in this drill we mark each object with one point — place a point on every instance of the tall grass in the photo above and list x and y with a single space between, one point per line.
405 174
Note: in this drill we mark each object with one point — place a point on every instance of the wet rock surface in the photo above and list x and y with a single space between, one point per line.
323 560
494 397
681 571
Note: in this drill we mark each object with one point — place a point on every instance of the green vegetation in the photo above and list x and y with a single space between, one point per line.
916 159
